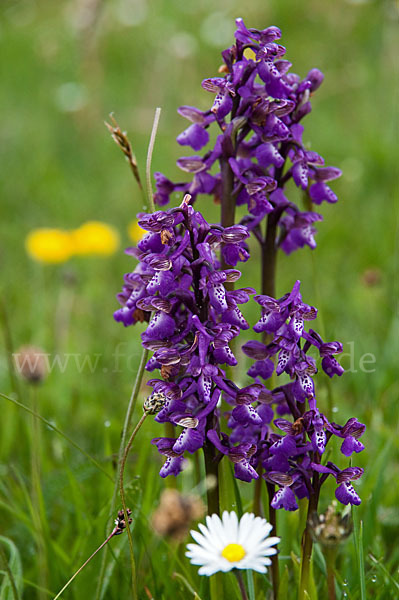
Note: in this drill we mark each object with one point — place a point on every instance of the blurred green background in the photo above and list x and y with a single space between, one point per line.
64 66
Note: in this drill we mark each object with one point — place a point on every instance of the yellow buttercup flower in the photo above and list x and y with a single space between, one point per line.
135 232
49 245
95 238
57 245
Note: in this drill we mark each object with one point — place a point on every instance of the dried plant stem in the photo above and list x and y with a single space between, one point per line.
86 563
241 584
121 139
150 194
6 568
144 355
126 425
132 401
61 433
123 500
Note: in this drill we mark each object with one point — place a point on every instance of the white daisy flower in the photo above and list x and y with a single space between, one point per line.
226 543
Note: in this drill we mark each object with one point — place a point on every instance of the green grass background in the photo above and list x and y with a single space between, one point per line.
64 66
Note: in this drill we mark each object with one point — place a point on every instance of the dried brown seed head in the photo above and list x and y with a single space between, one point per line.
175 513
31 363
331 527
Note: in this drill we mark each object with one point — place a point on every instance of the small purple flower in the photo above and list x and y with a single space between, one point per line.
345 492
239 455
351 432
195 136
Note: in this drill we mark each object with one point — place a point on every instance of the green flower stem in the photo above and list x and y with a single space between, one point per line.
330 553
212 476
269 256
257 501
171 482
123 500
241 584
63 312
38 510
228 206
307 542
54 428
274 558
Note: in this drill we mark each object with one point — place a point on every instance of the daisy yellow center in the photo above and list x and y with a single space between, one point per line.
233 552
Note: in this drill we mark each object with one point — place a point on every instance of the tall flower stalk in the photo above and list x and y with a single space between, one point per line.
183 287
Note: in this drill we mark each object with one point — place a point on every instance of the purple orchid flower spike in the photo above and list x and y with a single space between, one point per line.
181 288
258 106
294 453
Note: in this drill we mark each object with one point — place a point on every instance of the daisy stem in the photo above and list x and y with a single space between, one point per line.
123 500
86 563
241 584
274 558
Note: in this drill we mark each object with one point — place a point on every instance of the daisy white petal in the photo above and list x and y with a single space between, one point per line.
210 539
230 523
216 529
246 523
259 530
270 542
208 570
201 539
